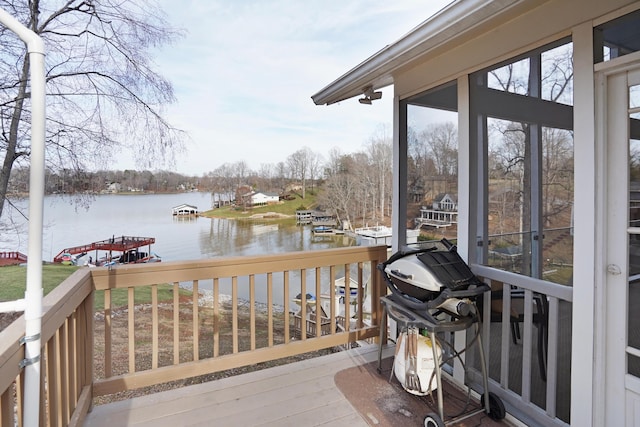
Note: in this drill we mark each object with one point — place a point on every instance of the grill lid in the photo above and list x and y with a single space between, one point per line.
449 269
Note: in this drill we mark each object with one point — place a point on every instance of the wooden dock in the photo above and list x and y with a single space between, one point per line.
12 258
115 244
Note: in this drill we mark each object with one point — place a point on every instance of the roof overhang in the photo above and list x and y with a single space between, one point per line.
450 26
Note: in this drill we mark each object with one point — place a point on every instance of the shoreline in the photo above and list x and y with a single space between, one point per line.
265 215
205 299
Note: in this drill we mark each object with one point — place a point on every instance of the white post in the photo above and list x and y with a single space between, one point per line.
33 293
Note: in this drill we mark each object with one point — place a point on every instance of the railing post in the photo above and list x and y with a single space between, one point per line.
378 289
85 338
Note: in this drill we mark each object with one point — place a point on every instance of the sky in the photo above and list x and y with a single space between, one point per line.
245 71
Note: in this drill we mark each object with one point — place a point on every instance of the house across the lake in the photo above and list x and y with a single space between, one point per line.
443 213
259 198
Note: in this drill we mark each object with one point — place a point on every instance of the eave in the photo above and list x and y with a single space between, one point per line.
452 26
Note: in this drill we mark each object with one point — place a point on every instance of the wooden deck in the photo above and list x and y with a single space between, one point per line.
299 394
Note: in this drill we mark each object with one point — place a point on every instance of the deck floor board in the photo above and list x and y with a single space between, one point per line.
299 394
302 393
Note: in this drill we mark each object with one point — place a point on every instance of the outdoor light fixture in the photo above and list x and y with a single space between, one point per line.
369 95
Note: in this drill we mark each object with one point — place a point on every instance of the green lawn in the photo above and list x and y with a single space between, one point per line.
142 295
13 279
288 207
13 283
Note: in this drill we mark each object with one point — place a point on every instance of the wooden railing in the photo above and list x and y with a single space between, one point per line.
66 360
152 339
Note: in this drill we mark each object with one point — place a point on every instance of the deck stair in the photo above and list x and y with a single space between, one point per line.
557 239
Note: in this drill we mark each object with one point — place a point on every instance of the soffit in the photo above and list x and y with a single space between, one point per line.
454 25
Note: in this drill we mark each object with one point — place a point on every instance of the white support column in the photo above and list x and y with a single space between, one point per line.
399 196
395 200
33 292
587 383
464 192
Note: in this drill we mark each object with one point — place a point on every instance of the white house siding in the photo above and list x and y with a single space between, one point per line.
259 199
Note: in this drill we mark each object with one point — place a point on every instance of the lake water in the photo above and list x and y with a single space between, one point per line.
149 215
66 225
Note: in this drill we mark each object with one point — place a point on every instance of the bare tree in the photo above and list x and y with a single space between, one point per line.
241 172
103 92
223 183
281 175
334 164
441 143
315 166
557 178
298 163
380 151
358 185
340 188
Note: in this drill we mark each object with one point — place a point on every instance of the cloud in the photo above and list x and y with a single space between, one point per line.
245 72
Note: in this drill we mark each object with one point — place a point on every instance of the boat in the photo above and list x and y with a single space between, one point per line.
341 288
322 229
136 257
108 252
340 297
67 259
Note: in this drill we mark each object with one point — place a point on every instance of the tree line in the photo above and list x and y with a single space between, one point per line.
356 187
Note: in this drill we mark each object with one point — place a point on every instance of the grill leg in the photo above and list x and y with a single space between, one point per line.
383 329
434 344
483 367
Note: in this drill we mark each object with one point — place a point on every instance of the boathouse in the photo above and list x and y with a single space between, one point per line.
545 100
323 219
184 210
303 216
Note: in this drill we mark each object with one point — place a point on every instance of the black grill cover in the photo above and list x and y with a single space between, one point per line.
449 269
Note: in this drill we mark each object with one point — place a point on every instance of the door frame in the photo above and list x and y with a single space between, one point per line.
621 391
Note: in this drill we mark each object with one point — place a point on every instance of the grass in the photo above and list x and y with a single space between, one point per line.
142 295
287 207
13 279
13 283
